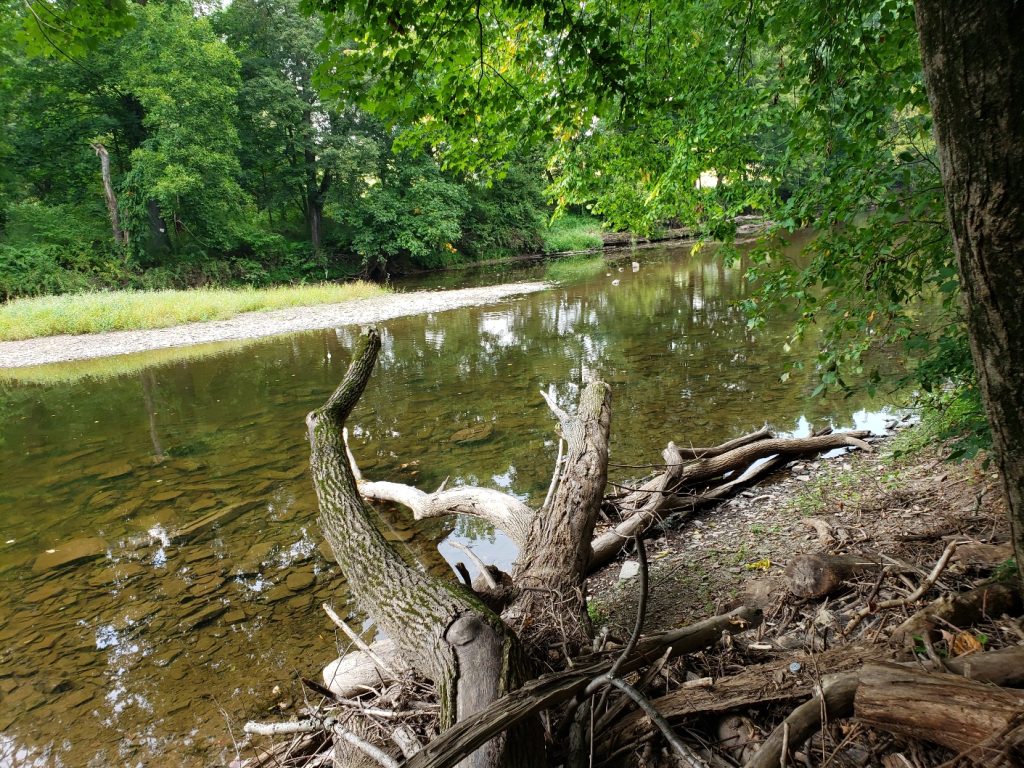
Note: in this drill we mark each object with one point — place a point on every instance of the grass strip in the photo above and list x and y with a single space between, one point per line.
29 318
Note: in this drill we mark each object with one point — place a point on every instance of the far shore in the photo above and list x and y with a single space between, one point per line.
253 325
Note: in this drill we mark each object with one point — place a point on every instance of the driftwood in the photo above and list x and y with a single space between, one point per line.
839 694
693 478
961 610
968 717
757 684
480 663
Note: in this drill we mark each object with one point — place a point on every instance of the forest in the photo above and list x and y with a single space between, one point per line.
194 148
264 141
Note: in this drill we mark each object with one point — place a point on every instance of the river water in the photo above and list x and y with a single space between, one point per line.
152 648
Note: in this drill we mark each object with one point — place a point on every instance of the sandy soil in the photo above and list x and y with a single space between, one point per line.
251 325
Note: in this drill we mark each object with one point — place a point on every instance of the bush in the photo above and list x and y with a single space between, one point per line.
57 249
572 233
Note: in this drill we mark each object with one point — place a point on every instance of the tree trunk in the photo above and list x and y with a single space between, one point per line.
550 573
446 633
970 718
108 193
974 70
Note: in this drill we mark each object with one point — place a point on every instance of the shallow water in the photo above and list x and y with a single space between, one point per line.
149 650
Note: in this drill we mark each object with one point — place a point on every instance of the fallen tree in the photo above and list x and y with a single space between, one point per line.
481 646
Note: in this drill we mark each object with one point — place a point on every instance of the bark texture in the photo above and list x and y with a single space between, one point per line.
963 715
974 70
551 570
445 631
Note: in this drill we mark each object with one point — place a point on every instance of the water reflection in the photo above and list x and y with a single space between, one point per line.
187 569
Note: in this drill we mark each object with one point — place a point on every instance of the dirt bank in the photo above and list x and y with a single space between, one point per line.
252 325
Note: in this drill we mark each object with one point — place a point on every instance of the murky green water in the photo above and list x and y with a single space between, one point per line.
150 652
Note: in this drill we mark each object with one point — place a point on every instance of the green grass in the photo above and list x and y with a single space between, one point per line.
574 268
136 310
572 233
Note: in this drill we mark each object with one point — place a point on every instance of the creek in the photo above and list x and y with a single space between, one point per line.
139 641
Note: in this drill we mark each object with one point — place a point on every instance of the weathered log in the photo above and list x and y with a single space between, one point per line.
834 702
756 685
606 546
556 688
960 714
709 453
819 574
705 470
837 698
976 554
1004 667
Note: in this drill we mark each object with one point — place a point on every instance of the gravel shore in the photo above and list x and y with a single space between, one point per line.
252 325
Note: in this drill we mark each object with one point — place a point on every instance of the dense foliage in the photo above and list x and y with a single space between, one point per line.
226 164
814 114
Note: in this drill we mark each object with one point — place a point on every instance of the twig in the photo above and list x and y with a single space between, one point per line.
914 596
358 642
480 564
366 747
686 755
463 572
556 475
645 680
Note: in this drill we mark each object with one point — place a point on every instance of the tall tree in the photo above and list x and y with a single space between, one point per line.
295 150
183 177
974 65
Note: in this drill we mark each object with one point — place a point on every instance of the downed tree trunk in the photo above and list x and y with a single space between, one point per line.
973 719
960 610
755 685
837 699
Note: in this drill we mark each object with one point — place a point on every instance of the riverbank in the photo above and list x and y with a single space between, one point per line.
252 325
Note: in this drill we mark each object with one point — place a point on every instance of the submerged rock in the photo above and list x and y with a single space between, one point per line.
474 434
69 553
299 581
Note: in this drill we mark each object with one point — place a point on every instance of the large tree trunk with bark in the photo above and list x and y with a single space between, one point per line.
445 631
974 69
